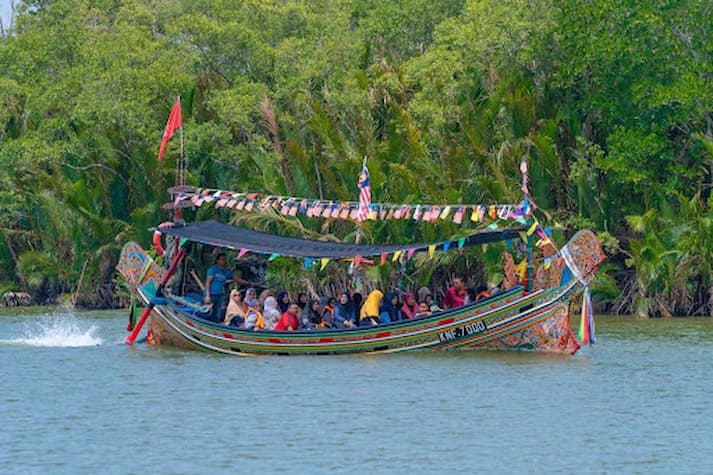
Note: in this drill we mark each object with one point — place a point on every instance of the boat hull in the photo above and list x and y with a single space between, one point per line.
515 321
512 320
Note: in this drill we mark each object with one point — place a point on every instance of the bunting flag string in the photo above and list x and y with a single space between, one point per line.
522 213
350 210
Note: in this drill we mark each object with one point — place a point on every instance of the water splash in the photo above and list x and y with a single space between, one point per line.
58 331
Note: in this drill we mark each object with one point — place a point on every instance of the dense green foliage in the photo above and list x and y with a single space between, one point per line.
611 101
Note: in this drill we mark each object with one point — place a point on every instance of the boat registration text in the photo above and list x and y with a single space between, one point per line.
470 329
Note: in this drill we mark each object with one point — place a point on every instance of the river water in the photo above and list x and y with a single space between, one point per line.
75 399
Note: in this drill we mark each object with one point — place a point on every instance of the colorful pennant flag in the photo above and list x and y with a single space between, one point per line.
532 229
458 218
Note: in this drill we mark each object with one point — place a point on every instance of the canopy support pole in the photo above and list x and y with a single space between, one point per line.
530 264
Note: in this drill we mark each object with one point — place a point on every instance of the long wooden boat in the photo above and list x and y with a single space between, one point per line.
535 319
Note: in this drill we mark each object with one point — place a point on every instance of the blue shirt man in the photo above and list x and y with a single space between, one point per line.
218 276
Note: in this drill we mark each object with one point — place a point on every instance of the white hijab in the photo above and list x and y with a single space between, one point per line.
271 313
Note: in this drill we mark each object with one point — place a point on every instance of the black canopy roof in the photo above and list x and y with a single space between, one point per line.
232 237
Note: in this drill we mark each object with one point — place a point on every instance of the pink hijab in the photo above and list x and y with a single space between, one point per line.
409 312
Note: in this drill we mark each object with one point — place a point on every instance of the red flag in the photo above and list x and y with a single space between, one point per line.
174 122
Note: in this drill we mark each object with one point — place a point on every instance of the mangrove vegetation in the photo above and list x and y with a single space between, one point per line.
611 102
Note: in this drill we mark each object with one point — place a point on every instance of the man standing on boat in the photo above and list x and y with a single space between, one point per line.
218 276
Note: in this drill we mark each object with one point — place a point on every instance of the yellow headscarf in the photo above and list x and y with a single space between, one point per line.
371 305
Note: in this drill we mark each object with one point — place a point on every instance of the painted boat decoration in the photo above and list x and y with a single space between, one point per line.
535 318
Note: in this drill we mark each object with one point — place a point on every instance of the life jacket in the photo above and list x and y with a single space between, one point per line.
482 295
330 321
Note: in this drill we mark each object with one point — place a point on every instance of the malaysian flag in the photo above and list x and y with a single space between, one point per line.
364 194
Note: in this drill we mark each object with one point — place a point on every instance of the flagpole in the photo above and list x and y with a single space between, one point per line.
357 239
180 178
182 157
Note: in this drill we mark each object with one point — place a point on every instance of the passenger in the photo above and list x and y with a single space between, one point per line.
455 296
218 276
432 305
271 313
469 296
369 314
264 295
251 296
423 310
310 315
302 300
326 313
424 295
357 300
344 316
389 309
289 321
236 311
283 301
254 319
410 307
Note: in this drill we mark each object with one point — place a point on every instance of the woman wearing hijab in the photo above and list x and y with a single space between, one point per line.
310 315
236 311
254 319
302 300
410 308
344 316
369 314
283 301
264 295
326 313
271 313
251 298
357 300
389 309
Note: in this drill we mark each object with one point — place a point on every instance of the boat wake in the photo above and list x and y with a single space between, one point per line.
57 331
